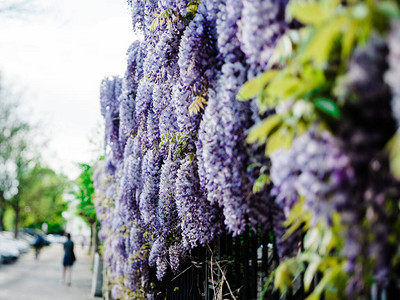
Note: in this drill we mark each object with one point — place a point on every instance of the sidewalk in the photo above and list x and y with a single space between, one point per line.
40 279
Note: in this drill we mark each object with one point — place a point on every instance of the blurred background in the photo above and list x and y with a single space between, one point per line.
53 55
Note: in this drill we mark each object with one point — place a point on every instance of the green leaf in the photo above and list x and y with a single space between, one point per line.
311 239
282 279
260 132
267 284
328 106
154 24
283 87
349 38
296 212
298 217
327 242
282 52
286 272
388 8
331 295
282 138
310 272
321 43
310 13
254 86
394 154
328 277
260 183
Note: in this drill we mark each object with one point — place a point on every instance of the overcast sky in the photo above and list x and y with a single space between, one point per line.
58 58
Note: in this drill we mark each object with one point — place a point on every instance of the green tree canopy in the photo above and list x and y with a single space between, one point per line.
12 133
84 193
41 198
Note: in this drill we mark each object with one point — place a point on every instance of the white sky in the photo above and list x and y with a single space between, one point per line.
58 58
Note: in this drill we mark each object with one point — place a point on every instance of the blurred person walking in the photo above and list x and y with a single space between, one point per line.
68 260
38 244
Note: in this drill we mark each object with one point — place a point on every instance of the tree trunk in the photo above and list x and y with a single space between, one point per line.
2 210
16 220
90 240
95 240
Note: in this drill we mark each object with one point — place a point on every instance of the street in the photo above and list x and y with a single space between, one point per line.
30 279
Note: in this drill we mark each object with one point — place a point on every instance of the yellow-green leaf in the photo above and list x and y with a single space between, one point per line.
320 46
154 24
327 278
260 132
260 183
310 272
282 138
282 279
197 105
311 240
326 242
331 295
349 38
394 150
254 86
297 212
283 51
292 228
283 87
310 13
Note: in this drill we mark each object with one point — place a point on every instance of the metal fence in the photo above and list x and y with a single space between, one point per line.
229 268
238 268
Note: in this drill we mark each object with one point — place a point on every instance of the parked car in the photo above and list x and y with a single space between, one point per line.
34 232
26 237
8 237
8 250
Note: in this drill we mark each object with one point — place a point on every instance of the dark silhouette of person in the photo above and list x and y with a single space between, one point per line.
38 244
68 260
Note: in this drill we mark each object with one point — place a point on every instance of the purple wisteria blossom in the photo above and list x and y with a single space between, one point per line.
166 208
177 253
130 82
149 195
179 6
367 216
314 167
200 222
221 145
130 180
110 91
197 64
261 24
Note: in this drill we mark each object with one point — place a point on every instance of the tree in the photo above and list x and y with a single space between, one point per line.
33 192
84 192
23 159
41 199
11 128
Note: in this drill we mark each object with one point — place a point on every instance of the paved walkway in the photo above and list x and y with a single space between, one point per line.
30 279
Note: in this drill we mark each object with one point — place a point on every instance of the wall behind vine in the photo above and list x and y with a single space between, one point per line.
278 114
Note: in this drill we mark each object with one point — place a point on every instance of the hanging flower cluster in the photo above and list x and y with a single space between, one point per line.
176 154
328 139
307 159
